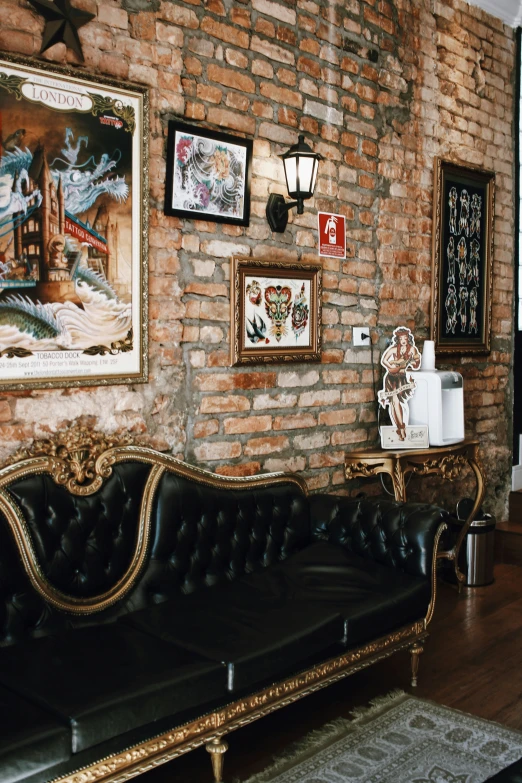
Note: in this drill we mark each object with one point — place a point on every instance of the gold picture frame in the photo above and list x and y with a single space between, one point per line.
74 227
462 254
275 311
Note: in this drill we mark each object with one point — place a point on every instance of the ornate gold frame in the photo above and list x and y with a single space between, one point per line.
243 354
81 460
444 461
441 169
143 164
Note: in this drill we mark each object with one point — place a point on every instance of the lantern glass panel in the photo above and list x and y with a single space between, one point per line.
291 175
306 171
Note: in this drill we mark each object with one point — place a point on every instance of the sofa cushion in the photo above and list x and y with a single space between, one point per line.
33 740
107 680
372 598
255 636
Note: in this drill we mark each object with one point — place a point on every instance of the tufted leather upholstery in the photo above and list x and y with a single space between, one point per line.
83 544
23 613
204 536
394 534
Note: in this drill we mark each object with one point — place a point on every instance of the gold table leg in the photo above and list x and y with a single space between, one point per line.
399 485
217 749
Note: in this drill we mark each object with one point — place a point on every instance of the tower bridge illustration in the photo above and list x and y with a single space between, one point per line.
50 247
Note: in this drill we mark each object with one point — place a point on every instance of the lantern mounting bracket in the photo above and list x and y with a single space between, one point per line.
277 210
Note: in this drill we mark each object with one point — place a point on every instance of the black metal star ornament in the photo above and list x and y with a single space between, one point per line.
62 23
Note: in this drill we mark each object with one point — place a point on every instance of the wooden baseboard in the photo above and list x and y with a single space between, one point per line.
515 507
508 543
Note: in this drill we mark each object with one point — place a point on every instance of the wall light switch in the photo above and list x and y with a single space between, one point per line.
360 336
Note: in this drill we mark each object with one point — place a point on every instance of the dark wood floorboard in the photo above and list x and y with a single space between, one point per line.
472 662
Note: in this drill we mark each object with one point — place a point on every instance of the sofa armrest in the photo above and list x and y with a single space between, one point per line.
400 535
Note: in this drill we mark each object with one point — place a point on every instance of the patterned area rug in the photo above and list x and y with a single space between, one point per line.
400 739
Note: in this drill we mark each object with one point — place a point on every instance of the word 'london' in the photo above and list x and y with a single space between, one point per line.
54 96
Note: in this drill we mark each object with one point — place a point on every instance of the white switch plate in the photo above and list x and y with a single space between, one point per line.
357 332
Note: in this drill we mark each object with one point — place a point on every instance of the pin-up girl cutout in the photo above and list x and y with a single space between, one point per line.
402 355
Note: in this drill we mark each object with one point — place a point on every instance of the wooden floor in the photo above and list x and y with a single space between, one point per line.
472 662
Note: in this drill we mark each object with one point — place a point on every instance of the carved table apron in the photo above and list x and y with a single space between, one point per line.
444 461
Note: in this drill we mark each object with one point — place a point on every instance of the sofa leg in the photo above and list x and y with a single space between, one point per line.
415 651
217 749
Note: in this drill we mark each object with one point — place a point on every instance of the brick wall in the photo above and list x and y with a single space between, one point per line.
379 89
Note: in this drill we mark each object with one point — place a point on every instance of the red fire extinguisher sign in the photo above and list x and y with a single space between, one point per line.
332 235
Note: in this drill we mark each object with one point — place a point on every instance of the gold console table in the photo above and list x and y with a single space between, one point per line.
444 461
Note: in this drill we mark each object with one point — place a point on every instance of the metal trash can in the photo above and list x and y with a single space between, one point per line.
476 557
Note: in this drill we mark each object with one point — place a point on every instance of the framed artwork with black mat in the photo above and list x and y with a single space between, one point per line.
208 175
463 206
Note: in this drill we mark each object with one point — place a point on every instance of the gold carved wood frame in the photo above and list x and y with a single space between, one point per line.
462 256
74 227
275 312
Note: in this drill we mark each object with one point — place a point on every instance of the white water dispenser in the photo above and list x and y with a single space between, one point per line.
438 401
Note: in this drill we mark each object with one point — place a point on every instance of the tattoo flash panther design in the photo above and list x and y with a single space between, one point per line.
277 305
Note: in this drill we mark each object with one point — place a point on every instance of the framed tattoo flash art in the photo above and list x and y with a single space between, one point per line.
73 228
463 206
276 312
208 175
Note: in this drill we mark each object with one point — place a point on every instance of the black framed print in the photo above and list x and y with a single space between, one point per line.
208 175
463 205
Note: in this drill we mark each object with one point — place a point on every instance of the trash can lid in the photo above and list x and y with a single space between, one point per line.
464 507
488 521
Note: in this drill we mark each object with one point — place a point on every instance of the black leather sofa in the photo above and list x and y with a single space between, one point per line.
148 607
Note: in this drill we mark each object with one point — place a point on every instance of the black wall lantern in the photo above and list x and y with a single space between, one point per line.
301 172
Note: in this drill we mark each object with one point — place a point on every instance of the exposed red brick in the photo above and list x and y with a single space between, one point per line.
219 450
335 418
295 422
230 78
206 428
245 469
240 16
228 404
207 92
238 426
228 119
225 32
267 445
265 27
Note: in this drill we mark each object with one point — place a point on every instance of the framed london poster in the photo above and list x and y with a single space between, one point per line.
463 205
276 312
73 228
208 175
